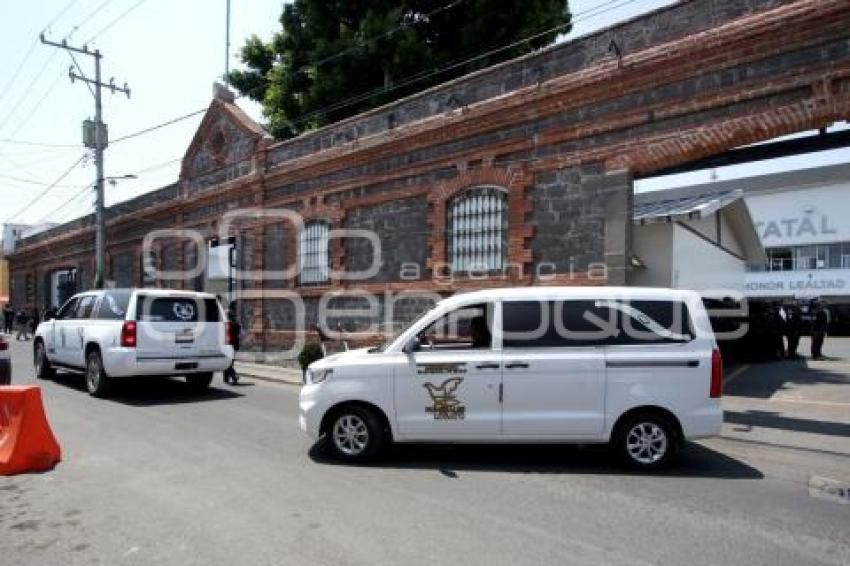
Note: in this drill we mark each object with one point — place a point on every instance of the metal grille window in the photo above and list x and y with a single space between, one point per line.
313 252
477 229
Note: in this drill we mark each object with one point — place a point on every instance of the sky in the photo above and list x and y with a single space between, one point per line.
169 52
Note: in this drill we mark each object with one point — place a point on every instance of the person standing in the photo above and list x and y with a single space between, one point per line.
35 320
8 318
22 321
230 375
819 327
782 329
793 329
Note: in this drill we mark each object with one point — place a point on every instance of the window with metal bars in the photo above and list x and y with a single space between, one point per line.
477 229
313 252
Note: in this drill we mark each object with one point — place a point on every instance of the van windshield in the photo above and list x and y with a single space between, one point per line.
397 333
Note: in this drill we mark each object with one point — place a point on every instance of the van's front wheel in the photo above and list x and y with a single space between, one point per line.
647 441
356 434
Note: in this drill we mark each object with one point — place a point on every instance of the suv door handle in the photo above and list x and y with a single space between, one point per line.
516 365
488 365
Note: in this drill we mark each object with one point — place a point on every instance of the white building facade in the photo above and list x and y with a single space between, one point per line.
802 222
805 229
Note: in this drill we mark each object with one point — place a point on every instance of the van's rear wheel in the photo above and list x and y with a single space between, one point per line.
98 383
356 434
199 381
647 441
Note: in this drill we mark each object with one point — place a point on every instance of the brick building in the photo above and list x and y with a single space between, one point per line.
520 174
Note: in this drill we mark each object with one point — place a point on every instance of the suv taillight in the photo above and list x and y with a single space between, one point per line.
229 333
716 374
128 334
4 345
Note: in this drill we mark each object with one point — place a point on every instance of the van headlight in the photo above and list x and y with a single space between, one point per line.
317 375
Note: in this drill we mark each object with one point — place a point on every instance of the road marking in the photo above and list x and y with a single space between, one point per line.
829 489
735 374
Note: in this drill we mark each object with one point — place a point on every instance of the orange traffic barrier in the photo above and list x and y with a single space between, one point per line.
26 442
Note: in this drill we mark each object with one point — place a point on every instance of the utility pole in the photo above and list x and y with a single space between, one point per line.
227 46
99 144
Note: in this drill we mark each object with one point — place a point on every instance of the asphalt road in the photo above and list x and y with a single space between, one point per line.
158 475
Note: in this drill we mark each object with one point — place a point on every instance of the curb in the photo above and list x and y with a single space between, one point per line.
270 374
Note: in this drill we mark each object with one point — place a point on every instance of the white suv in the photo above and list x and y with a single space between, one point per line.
638 368
143 332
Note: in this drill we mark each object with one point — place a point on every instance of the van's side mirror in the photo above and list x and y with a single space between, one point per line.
412 346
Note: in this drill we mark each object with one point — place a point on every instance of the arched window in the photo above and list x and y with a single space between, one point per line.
313 251
477 229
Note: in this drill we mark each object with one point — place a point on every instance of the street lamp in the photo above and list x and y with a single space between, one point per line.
100 227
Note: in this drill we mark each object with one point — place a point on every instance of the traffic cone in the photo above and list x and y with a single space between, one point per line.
26 442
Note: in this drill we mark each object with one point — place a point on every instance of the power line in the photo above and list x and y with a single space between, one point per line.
591 12
23 62
35 108
115 21
407 81
37 144
47 189
65 203
27 90
158 126
34 182
386 34
91 14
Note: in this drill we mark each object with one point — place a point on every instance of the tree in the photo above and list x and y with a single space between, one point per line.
336 58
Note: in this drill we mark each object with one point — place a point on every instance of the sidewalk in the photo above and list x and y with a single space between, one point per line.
802 404
266 372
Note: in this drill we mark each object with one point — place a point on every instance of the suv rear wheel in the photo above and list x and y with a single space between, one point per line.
647 441
43 369
97 382
356 434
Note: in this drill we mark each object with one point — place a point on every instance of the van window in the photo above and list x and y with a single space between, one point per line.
553 324
113 305
465 328
651 321
176 309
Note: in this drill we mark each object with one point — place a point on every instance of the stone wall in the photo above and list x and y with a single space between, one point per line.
401 227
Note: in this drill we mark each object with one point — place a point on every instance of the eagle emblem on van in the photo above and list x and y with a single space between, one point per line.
445 404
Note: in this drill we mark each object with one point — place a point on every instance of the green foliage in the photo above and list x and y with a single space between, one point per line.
311 352
336 58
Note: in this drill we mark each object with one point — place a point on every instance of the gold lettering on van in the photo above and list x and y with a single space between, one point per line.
446 405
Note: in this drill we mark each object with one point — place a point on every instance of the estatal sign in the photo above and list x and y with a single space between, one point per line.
800 217
814 283
811 225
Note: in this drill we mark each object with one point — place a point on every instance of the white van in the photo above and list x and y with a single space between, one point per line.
638 368
135 332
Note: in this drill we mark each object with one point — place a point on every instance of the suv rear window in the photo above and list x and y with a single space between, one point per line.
113 305
176 309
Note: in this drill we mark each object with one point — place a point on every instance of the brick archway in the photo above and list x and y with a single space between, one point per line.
830 101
